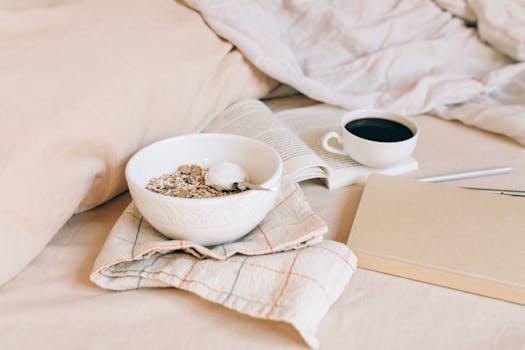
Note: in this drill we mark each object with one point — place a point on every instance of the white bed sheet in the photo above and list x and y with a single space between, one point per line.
53 305
408 56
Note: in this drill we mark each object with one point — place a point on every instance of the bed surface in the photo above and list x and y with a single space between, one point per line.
52 304
87 83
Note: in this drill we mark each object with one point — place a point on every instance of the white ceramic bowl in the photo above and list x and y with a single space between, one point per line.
207 221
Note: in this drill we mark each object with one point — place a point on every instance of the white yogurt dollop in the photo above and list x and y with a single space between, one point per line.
224 175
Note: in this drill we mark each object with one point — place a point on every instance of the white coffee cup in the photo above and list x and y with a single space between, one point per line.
387 139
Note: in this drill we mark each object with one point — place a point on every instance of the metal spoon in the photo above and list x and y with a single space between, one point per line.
247 185
227 176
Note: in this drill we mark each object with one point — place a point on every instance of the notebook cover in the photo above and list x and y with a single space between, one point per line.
457 238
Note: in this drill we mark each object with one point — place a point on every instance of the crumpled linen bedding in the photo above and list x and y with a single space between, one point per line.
410 56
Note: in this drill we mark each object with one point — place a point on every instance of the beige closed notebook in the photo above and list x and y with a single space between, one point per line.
457 238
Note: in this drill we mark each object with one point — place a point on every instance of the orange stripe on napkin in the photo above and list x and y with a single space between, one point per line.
284 285
188 273
265 238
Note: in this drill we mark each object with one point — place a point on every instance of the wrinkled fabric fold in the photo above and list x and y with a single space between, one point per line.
410 57
282 270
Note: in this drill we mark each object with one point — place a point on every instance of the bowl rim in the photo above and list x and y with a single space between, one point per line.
276 174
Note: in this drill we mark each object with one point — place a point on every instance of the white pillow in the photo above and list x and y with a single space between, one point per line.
85 84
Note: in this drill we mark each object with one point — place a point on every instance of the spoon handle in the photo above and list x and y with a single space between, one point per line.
251 186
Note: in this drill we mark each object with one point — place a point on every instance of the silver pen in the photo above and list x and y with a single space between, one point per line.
466 175
476 173
498 191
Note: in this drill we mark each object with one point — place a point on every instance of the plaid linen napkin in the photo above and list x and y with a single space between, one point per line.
282 270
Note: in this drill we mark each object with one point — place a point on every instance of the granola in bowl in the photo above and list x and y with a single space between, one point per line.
188 181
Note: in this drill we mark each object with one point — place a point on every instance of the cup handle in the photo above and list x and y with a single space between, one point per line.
326 146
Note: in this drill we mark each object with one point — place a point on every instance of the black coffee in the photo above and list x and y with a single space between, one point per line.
377 129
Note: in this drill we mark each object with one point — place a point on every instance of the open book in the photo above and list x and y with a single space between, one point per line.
296 134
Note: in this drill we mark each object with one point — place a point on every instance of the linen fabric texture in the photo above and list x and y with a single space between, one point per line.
282 270
409 57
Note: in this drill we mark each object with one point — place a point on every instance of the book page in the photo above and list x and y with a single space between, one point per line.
253 119
312 123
